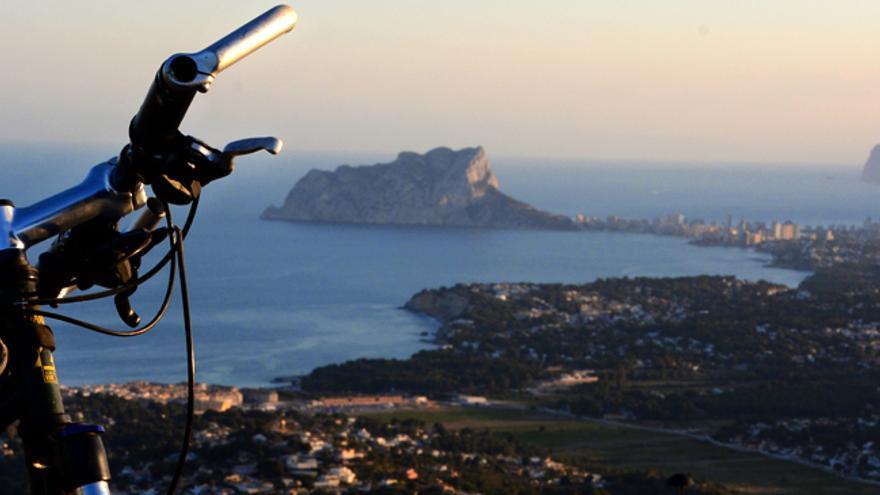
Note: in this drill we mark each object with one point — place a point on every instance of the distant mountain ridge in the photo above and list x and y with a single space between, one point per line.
441 187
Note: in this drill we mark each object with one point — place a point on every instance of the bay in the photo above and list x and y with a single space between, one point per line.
276 298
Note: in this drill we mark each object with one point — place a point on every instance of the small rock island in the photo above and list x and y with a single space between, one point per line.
442 187
871 171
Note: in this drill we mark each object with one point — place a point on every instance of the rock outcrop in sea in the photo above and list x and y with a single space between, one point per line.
871 171
441 187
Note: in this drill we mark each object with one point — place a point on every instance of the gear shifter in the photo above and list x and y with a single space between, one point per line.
187 171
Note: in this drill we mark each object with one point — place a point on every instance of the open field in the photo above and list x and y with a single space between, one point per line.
631 448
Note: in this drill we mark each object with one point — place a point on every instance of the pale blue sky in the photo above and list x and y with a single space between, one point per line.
766 81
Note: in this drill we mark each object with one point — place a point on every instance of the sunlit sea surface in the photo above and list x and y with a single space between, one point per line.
274 298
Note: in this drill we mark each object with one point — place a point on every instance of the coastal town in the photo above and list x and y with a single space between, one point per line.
254 443
742 233
749 365
791 244
221 398
789 372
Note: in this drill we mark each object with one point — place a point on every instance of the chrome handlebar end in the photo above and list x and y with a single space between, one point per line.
197 71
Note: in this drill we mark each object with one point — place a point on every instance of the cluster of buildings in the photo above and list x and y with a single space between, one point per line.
332 458
207 397
597 315
221 398
852 246
744 233
808 439
585 307
332 454
348 403
790 244
600 315
564 380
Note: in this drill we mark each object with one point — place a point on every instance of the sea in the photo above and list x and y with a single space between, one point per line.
272 299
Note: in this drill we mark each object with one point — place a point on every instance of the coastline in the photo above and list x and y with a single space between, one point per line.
571 259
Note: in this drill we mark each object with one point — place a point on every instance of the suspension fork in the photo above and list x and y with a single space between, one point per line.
62 457
42 416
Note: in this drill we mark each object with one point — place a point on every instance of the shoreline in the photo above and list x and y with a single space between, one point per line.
428 335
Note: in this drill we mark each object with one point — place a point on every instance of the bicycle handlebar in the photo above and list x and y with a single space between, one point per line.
153 132
230 49
183 74
62 456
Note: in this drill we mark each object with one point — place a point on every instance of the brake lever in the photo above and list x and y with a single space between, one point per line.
251 145
147 222
246 146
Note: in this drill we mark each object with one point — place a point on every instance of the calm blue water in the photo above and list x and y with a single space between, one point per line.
275 298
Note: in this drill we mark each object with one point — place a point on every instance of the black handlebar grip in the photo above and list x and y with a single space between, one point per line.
155 126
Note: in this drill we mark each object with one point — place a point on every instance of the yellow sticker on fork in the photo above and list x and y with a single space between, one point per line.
47 366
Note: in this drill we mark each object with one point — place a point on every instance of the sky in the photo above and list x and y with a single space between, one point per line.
772 81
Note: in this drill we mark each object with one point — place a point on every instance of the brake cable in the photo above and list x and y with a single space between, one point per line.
190 368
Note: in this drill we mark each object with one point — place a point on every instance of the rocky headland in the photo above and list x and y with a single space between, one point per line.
442 187
441 305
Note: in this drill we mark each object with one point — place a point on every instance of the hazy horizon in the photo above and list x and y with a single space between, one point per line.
723 82
294 153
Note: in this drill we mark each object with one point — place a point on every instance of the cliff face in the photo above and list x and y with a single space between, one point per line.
441 187
444 305
871 172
